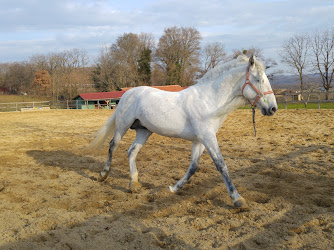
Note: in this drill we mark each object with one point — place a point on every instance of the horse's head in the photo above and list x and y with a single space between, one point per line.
257 89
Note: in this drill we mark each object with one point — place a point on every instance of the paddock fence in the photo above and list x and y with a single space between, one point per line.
24 106
321 99
45 105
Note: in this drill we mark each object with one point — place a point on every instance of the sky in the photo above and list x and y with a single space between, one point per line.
31 27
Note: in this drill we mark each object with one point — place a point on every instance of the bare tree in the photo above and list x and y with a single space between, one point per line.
39 62
252 51
294 54
269 63
125 54
64 67
213 53
178 55
322 44
101 74
158 75
68 71
124 63
17 77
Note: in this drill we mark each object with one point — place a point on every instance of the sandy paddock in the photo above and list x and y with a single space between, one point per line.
49 196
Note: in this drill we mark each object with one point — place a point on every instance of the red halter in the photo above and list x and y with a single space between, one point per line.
248 82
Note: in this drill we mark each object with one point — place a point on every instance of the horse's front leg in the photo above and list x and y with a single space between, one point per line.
196 153
212 146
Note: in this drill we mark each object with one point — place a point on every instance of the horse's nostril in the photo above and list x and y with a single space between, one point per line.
273 110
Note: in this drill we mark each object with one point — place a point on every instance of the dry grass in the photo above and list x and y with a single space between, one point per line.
20 98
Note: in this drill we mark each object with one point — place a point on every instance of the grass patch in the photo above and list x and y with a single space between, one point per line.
309 106
329 105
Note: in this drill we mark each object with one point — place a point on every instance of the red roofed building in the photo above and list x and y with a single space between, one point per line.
101 100
3 90
108 100
101 95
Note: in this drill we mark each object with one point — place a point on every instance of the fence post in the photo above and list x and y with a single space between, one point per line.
77 104
16 105
286 100
319 100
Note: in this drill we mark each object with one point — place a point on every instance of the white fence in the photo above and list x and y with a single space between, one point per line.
18 106
68 104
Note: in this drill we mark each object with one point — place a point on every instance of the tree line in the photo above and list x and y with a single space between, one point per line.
132 60
311 53
60 75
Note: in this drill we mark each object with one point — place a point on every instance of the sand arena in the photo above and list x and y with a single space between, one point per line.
49 196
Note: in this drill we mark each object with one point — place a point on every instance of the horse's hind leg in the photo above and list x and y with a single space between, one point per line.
196 153
142 135
112 147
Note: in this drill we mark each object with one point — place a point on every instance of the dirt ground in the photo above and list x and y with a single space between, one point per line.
49 196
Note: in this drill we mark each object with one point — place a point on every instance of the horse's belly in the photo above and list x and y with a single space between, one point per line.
172 132
166 125
167 122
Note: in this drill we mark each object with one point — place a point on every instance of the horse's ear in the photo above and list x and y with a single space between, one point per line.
251 61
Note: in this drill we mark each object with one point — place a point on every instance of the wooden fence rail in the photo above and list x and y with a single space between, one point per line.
19 106
305 98
67 104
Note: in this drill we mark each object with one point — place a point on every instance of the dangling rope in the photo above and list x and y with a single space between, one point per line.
253 110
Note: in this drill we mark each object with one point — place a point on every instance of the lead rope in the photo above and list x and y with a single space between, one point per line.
253 110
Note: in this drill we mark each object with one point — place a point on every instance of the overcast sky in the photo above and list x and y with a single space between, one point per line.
29 27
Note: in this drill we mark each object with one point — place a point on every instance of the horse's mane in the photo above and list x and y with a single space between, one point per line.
222 68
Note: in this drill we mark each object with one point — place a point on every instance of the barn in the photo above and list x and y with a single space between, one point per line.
109 100
101 100
3 90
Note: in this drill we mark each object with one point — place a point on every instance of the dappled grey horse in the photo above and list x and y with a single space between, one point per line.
194 114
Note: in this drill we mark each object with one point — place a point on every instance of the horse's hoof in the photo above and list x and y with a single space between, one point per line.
103 176
134 186
172 189
240 203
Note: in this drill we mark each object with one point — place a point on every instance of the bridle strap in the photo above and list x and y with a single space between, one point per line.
248 82
253 111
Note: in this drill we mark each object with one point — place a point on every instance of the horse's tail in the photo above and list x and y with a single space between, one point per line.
103 133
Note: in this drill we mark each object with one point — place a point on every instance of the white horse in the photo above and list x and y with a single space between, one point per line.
194 114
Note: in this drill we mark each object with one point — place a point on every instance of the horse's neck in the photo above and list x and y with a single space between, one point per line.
223 93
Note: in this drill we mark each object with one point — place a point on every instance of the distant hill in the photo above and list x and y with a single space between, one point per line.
292 81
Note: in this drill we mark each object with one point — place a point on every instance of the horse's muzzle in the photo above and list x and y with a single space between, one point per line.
270 111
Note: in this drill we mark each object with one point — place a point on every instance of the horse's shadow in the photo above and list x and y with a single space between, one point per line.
69 161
